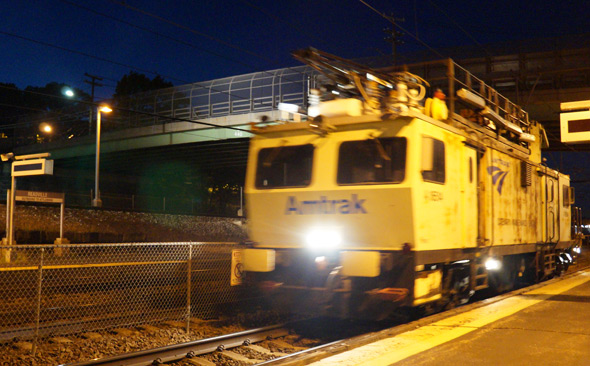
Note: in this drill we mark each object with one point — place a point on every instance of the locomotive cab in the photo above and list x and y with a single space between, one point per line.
355 206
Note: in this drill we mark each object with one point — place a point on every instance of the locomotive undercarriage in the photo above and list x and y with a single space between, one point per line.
312 284
304 282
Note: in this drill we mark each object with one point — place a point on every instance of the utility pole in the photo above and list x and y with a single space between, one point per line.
93 83
393 36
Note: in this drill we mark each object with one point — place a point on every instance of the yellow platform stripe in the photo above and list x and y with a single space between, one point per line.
391 350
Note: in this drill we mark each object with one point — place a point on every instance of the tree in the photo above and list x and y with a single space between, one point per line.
12 102
134 83
33 100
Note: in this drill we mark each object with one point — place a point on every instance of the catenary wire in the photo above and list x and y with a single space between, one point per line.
186 44
133 111
87 55
460 27
402 28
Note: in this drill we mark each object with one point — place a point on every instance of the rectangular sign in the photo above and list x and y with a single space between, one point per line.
25 168
46 197
237 268
575 127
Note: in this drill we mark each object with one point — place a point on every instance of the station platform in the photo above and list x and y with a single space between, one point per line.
548 324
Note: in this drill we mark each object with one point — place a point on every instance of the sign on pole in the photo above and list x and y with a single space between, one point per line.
45 197
32 167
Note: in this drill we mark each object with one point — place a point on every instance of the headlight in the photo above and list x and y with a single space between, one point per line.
323 238
493 264
577 250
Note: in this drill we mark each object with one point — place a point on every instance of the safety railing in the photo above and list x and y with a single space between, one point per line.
450 78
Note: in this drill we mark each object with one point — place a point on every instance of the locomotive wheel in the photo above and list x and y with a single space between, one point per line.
504 279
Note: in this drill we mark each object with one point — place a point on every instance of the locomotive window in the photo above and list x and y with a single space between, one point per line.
551 188
372 161
568 195
284 166
433 160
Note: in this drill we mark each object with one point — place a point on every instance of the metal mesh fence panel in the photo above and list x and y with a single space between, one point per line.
49 289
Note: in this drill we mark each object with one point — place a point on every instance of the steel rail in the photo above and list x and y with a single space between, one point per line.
190 349
310 355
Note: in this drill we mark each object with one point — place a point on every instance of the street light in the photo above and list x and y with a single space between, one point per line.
45 127
68 92
96 202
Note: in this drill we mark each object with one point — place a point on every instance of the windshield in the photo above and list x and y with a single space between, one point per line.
284 166
372 161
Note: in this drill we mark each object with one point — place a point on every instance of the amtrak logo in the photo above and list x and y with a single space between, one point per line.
498 176
324 206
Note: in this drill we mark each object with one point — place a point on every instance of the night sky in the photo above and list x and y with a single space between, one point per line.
193 40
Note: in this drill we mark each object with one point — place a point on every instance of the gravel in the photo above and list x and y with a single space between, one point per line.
40 224
59 350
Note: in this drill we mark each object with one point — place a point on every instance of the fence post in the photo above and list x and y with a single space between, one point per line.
8 196
163 204
188 288
38 314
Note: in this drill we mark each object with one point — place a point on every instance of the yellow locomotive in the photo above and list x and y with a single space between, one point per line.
381 198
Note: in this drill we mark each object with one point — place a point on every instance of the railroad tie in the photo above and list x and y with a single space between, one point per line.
237 357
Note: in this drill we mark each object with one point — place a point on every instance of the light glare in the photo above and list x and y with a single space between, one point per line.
493 264
323 238
45 127
287 107
67 91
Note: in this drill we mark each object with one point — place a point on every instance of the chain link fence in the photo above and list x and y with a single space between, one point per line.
49 289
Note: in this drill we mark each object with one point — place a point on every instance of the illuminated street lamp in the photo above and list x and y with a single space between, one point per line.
96 202
45 127
68 92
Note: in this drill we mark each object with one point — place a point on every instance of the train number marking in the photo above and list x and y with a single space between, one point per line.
433 196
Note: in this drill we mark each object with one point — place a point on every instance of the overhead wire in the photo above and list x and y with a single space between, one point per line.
102 59
388 18
432 49
22 107
216 39
283 21
159 34
460 27
189 44
205 35
132 110
191 30
47 44
130 66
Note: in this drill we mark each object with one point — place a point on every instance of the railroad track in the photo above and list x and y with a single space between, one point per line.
189 350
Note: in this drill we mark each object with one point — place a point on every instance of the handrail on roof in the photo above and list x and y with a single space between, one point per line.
449 76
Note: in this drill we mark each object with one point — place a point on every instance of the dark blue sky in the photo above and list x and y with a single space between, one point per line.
218 38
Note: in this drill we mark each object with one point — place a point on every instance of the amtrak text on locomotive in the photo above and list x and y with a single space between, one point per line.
325 206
